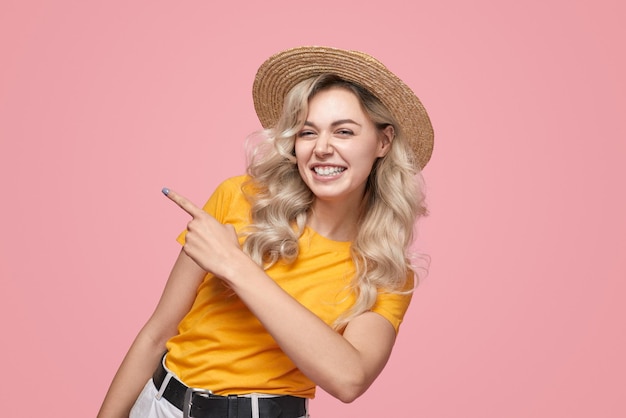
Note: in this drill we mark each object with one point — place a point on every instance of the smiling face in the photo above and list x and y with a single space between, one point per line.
338 145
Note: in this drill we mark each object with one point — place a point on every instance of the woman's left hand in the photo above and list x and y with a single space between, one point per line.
212 245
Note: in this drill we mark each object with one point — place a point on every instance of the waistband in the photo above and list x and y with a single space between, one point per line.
201 403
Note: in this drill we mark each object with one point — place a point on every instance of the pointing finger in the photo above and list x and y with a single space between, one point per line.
184 203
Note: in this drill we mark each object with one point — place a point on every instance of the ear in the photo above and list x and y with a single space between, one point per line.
386 138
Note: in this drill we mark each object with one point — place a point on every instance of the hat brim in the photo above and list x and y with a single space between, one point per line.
282 71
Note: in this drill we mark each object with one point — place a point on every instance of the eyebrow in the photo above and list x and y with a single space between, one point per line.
335 123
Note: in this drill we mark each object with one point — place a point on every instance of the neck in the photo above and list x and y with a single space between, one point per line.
334 221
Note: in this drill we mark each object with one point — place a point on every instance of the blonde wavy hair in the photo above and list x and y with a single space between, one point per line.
392 203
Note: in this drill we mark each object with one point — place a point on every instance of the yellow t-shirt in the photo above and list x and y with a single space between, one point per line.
221 345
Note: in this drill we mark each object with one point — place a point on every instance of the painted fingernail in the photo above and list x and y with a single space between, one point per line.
166 191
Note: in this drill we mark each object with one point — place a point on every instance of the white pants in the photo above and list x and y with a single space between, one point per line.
148 406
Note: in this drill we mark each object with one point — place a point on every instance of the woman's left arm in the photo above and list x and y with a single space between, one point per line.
343 365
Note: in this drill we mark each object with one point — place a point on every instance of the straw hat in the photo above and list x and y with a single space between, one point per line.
284 70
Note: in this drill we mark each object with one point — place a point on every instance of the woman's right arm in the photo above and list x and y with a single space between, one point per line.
149 346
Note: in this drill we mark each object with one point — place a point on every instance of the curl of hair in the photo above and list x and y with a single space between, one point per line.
280 200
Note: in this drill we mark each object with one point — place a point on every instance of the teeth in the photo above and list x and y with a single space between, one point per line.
328 171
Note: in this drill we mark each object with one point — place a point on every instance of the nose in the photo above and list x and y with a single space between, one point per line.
323 147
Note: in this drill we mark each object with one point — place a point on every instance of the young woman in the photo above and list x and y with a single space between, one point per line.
296 274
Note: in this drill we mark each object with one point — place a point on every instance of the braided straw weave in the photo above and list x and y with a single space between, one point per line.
284 70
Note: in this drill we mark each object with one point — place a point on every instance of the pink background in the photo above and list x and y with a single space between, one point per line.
522 313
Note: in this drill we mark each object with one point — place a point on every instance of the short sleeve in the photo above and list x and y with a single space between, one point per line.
220 201
393 306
